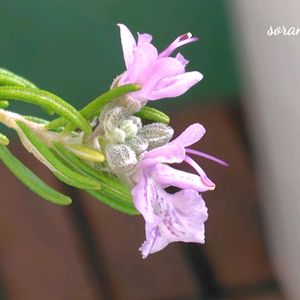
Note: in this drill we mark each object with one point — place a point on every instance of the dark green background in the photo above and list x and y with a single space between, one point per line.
72 47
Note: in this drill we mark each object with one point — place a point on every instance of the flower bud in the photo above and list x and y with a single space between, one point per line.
119 135
129 128
138 144
120 157
112 118
156 134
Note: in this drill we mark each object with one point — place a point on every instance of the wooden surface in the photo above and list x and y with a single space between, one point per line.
89 251
41 255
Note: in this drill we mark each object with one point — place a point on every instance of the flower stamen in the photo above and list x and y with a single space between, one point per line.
185 36
205 180
207 156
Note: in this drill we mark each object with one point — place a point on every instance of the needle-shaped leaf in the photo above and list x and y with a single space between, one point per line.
113 193
113 202
93 108
45 122
3 139
9 78
69 181
86 153
62 171
48 101
33 182
153 114
36 120
4 104
106 180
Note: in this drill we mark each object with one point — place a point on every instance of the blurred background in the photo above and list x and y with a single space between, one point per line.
248 102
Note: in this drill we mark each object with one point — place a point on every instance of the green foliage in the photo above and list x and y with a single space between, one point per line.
33 182
46 100
9 78
87 153
153 114
113 193
60 170
3 104
74 164
94 107
3 140
106 180
113 202
36 120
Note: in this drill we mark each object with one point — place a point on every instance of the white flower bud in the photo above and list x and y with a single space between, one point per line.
138 144
120 158
119 135
156 134
113 118
137 121
129 128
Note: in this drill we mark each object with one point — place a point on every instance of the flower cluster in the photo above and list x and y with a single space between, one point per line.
160 75
141 155
107 151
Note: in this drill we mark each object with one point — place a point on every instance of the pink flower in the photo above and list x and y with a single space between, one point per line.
172 217
160 75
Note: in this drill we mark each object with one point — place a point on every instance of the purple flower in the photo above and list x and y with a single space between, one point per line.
172 217
160 75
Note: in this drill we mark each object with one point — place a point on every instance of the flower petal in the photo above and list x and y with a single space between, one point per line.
128 44
167 176
144 38
144 56
143 197
174 86
180 41
207 156
191 214
160 69
182 59
182 216
206 181
154 240
190 136
165 154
